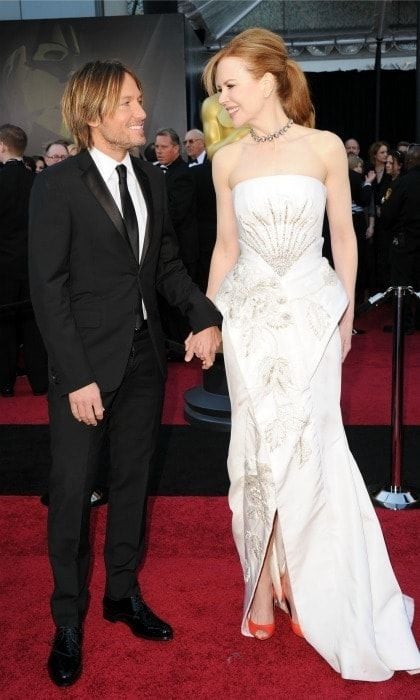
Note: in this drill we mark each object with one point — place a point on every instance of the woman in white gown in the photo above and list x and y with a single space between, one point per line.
303 522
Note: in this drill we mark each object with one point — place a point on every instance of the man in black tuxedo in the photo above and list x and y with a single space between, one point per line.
181 196
400 216
15 187
182 212
101 247
195 147
205 196
206 219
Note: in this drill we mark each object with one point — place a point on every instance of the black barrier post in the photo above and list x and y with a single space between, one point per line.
395 498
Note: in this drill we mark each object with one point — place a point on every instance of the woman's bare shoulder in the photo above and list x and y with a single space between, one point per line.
226 157
327 140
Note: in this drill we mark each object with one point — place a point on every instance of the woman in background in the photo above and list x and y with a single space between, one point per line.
40 163
394 164
378 154
303 521
361 195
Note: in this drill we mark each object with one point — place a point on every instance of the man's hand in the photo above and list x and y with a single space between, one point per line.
86 404
204 345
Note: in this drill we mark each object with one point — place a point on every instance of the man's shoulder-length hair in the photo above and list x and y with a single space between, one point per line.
91 93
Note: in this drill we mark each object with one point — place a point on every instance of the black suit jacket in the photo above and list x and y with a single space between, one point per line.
85 280
361 193
206 205
182 208
400 211
15 187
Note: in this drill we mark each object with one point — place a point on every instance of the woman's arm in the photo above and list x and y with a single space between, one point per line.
343 238
226 249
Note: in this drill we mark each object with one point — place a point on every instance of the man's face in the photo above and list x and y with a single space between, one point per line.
56 153
352 147
166 151
194 145
116 133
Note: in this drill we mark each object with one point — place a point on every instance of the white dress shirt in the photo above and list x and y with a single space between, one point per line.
107 168
200 160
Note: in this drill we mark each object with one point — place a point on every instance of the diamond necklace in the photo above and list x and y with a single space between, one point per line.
274 135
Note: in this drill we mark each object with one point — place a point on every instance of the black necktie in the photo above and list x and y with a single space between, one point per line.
129 213
132 229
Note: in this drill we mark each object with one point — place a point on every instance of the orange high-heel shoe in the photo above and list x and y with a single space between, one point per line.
294 625
267 629
296 628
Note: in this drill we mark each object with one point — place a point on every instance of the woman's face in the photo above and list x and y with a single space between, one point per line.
381 155
389 165
39 166
395 168
239 92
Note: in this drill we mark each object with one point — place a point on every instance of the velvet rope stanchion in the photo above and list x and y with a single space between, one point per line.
394 497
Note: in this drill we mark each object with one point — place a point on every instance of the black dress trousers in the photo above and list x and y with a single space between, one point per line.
132 418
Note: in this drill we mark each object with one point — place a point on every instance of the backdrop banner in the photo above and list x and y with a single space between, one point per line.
38 57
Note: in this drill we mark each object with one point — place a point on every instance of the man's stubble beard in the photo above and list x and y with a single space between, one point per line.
117 144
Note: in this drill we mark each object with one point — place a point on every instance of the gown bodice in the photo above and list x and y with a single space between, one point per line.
280 278
280 218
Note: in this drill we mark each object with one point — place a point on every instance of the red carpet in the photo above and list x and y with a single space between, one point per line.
26 409
366 390
192 578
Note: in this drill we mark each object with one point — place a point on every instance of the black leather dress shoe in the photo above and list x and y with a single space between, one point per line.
65 660
138 616
7 392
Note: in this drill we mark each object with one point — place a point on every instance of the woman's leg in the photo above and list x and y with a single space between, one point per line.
262 610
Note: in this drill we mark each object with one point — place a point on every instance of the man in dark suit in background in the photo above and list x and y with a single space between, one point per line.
101 247
195 147
181 196
400 214
15 186
206 219
182 212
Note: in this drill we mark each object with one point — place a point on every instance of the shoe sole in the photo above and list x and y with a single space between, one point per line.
112 618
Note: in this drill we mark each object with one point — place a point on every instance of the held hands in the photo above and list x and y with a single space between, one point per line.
86 404
204 345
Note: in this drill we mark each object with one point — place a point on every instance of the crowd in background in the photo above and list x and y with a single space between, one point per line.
386 218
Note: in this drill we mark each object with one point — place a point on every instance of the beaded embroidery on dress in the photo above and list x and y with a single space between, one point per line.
288 453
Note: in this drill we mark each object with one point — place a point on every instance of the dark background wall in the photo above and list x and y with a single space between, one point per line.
345 103
37 58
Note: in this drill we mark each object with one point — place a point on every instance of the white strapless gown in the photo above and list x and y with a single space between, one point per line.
288 453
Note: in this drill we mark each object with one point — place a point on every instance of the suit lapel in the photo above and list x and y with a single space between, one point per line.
97 186
147 194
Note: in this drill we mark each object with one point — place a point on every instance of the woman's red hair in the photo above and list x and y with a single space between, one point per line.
265 52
